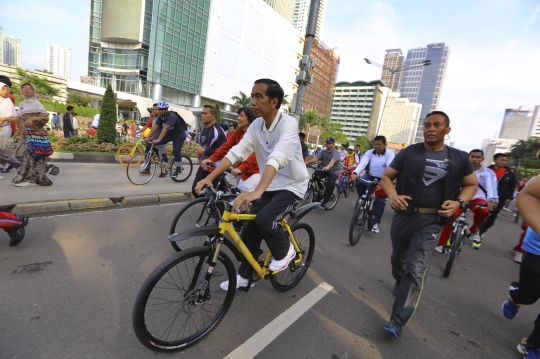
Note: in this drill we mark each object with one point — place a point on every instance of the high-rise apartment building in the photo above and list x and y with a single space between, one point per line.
58 60
423 84
399 120
358 106
283 7
12 52
391 73
301 16
535 123
516 124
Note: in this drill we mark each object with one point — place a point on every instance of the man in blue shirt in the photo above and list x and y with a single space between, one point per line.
378 160
527 290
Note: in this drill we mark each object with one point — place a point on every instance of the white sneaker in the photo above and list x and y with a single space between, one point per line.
475 236
276 266
439 248
518 257
25 184
240 282
375 228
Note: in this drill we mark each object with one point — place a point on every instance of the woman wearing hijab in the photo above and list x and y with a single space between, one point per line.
33 117
7 115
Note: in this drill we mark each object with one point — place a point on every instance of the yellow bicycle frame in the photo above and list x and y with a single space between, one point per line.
226 227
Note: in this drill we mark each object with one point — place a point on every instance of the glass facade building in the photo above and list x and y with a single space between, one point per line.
516 124
136 44
423 84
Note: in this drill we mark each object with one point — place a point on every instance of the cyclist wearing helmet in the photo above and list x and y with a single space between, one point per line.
172 129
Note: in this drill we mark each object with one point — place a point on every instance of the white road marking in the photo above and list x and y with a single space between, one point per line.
266 335
107 210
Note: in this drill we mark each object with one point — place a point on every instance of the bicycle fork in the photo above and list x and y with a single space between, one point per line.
204 290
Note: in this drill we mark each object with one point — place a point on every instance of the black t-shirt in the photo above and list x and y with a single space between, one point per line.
305 151
172 120
125 128
431 193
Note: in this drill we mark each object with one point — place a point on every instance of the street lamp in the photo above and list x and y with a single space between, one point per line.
398 69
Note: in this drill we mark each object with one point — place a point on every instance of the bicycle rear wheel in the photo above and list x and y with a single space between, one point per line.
357 224
124 153
176 307
333 199
287 279
141 170
182 173
194 214
455 239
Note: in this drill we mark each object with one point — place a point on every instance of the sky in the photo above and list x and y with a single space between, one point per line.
494 48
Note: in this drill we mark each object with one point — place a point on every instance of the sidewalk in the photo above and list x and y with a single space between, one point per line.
81 181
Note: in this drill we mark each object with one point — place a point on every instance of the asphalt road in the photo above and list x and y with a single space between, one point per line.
67 291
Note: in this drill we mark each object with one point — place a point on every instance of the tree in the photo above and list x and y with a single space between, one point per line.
334 130
218 114
78 100
106 131
309 118
44 89
242 100
364 142
322 126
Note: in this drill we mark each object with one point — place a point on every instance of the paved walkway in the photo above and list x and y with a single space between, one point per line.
87 180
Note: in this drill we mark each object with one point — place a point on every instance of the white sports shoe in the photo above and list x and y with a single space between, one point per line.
240 282
25 184
276 266
439 248
375 228
475 236
518 257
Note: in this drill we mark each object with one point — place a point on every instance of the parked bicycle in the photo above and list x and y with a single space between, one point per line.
315 191
181 301
363 213
142 167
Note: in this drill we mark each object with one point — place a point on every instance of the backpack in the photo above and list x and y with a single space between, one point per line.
183 124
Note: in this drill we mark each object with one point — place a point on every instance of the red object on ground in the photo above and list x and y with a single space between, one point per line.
91 132
9 221
379 192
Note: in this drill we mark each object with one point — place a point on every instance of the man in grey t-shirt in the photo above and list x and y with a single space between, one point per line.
331 168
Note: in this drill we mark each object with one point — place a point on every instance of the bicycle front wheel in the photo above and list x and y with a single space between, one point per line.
287 279
196 213
455 239
357 224
175 307
141 169
347 190
333 199
124 153
182 173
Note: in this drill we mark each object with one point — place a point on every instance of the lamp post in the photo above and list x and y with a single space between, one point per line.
394 72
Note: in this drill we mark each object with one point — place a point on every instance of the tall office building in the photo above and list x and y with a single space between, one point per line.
516 124
423 84
399 120
283 7
391 73
58 60
301 16
1 46
12 51
358 106
535 123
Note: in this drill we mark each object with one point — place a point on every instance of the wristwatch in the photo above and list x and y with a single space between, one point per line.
462 203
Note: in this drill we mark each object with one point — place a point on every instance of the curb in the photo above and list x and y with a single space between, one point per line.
87 157
93 203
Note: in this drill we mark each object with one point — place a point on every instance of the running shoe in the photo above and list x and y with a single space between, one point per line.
510 309
475 236
240 282
439 248
375 228
518 257
25 184
522 347
394 328
476 245
277 266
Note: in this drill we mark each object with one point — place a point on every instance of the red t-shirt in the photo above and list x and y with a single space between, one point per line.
499 173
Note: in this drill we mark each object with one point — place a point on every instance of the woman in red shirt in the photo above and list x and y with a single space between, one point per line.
249 170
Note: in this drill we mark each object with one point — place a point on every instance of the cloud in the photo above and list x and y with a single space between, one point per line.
532 19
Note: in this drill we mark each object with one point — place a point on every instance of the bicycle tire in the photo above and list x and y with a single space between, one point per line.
185 173
455 239
195 213
333 199
357 224
288 279
353 186
136 166
160 297
371 216
347 190
124 153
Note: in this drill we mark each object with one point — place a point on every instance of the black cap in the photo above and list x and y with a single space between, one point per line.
330 140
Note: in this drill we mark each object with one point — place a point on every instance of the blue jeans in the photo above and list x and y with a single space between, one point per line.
68 134
379 203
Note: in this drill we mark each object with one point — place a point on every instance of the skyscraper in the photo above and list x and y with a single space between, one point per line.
399 120
12 50
391 73
58 60
301 15
423 84
1 45
535 123
283 7
516 124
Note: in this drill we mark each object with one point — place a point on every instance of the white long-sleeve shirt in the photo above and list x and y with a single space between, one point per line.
488 180
279 147
377 163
